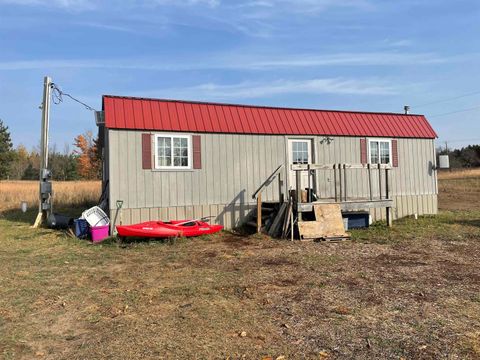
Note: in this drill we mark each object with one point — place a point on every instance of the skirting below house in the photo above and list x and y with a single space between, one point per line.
409 205
232 216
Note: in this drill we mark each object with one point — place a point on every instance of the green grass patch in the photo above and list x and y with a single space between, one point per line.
448 226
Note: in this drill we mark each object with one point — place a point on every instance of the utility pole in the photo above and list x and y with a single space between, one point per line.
45 186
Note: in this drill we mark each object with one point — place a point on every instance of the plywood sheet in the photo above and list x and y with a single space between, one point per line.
328 223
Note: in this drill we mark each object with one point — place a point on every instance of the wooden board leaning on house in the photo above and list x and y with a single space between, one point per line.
328 224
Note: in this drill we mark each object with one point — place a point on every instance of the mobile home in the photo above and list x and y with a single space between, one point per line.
169 159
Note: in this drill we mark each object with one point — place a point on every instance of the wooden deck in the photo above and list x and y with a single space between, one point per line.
343 195
350 205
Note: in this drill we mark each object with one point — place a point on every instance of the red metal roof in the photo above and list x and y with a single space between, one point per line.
174 115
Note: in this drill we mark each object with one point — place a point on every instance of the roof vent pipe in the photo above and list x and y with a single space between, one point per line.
407 109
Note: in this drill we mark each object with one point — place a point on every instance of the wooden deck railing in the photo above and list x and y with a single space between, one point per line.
258 193
341 189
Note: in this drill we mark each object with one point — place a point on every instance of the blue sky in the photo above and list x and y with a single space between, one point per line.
367 55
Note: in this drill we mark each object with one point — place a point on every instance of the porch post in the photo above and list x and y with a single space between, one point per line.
379 180
298 195
281 196
369 167
335 181
387 191
341 182
259 212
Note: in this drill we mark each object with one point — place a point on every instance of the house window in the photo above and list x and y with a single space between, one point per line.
380 151
300 152
172 151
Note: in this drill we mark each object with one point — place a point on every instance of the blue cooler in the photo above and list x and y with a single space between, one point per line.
81 228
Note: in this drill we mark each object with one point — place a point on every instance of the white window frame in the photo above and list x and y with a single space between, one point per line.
309 149
311 159
379 140
171 136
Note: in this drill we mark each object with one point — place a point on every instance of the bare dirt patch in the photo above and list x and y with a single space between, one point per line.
194 299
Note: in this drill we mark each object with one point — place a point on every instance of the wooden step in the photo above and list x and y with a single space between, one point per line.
264 217
270 205
265 211
252 224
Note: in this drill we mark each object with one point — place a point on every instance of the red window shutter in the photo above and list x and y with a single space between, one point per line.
146 151
394 153
363 151
197 151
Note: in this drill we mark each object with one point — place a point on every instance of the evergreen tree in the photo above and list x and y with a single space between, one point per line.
30 173
465 157
63 166
71 168
6 153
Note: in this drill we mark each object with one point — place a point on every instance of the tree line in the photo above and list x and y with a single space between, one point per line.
84 162
466 157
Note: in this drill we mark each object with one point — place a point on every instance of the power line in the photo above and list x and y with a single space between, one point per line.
455 112
460 140
57 97
446 100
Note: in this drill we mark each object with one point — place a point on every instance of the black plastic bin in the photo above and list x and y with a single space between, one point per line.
59 221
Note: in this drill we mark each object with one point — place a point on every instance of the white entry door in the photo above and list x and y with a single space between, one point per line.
299 152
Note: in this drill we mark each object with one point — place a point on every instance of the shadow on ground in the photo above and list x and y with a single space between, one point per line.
28 217
235 237
468 222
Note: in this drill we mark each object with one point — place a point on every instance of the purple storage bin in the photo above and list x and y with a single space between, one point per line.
99 233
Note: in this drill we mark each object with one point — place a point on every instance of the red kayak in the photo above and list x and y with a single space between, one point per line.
174 228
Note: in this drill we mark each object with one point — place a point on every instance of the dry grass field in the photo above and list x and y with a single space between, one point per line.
66 193
459 174
411 292
459 190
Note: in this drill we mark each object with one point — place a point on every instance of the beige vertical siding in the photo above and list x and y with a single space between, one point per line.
413 176
413 182
233 166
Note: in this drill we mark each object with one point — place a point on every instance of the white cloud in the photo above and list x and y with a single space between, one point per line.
210 3
274 5
109 27
304 6
249 89
398 43
66 4
341 59
266 18
48 64
253 18
118 4
239 61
